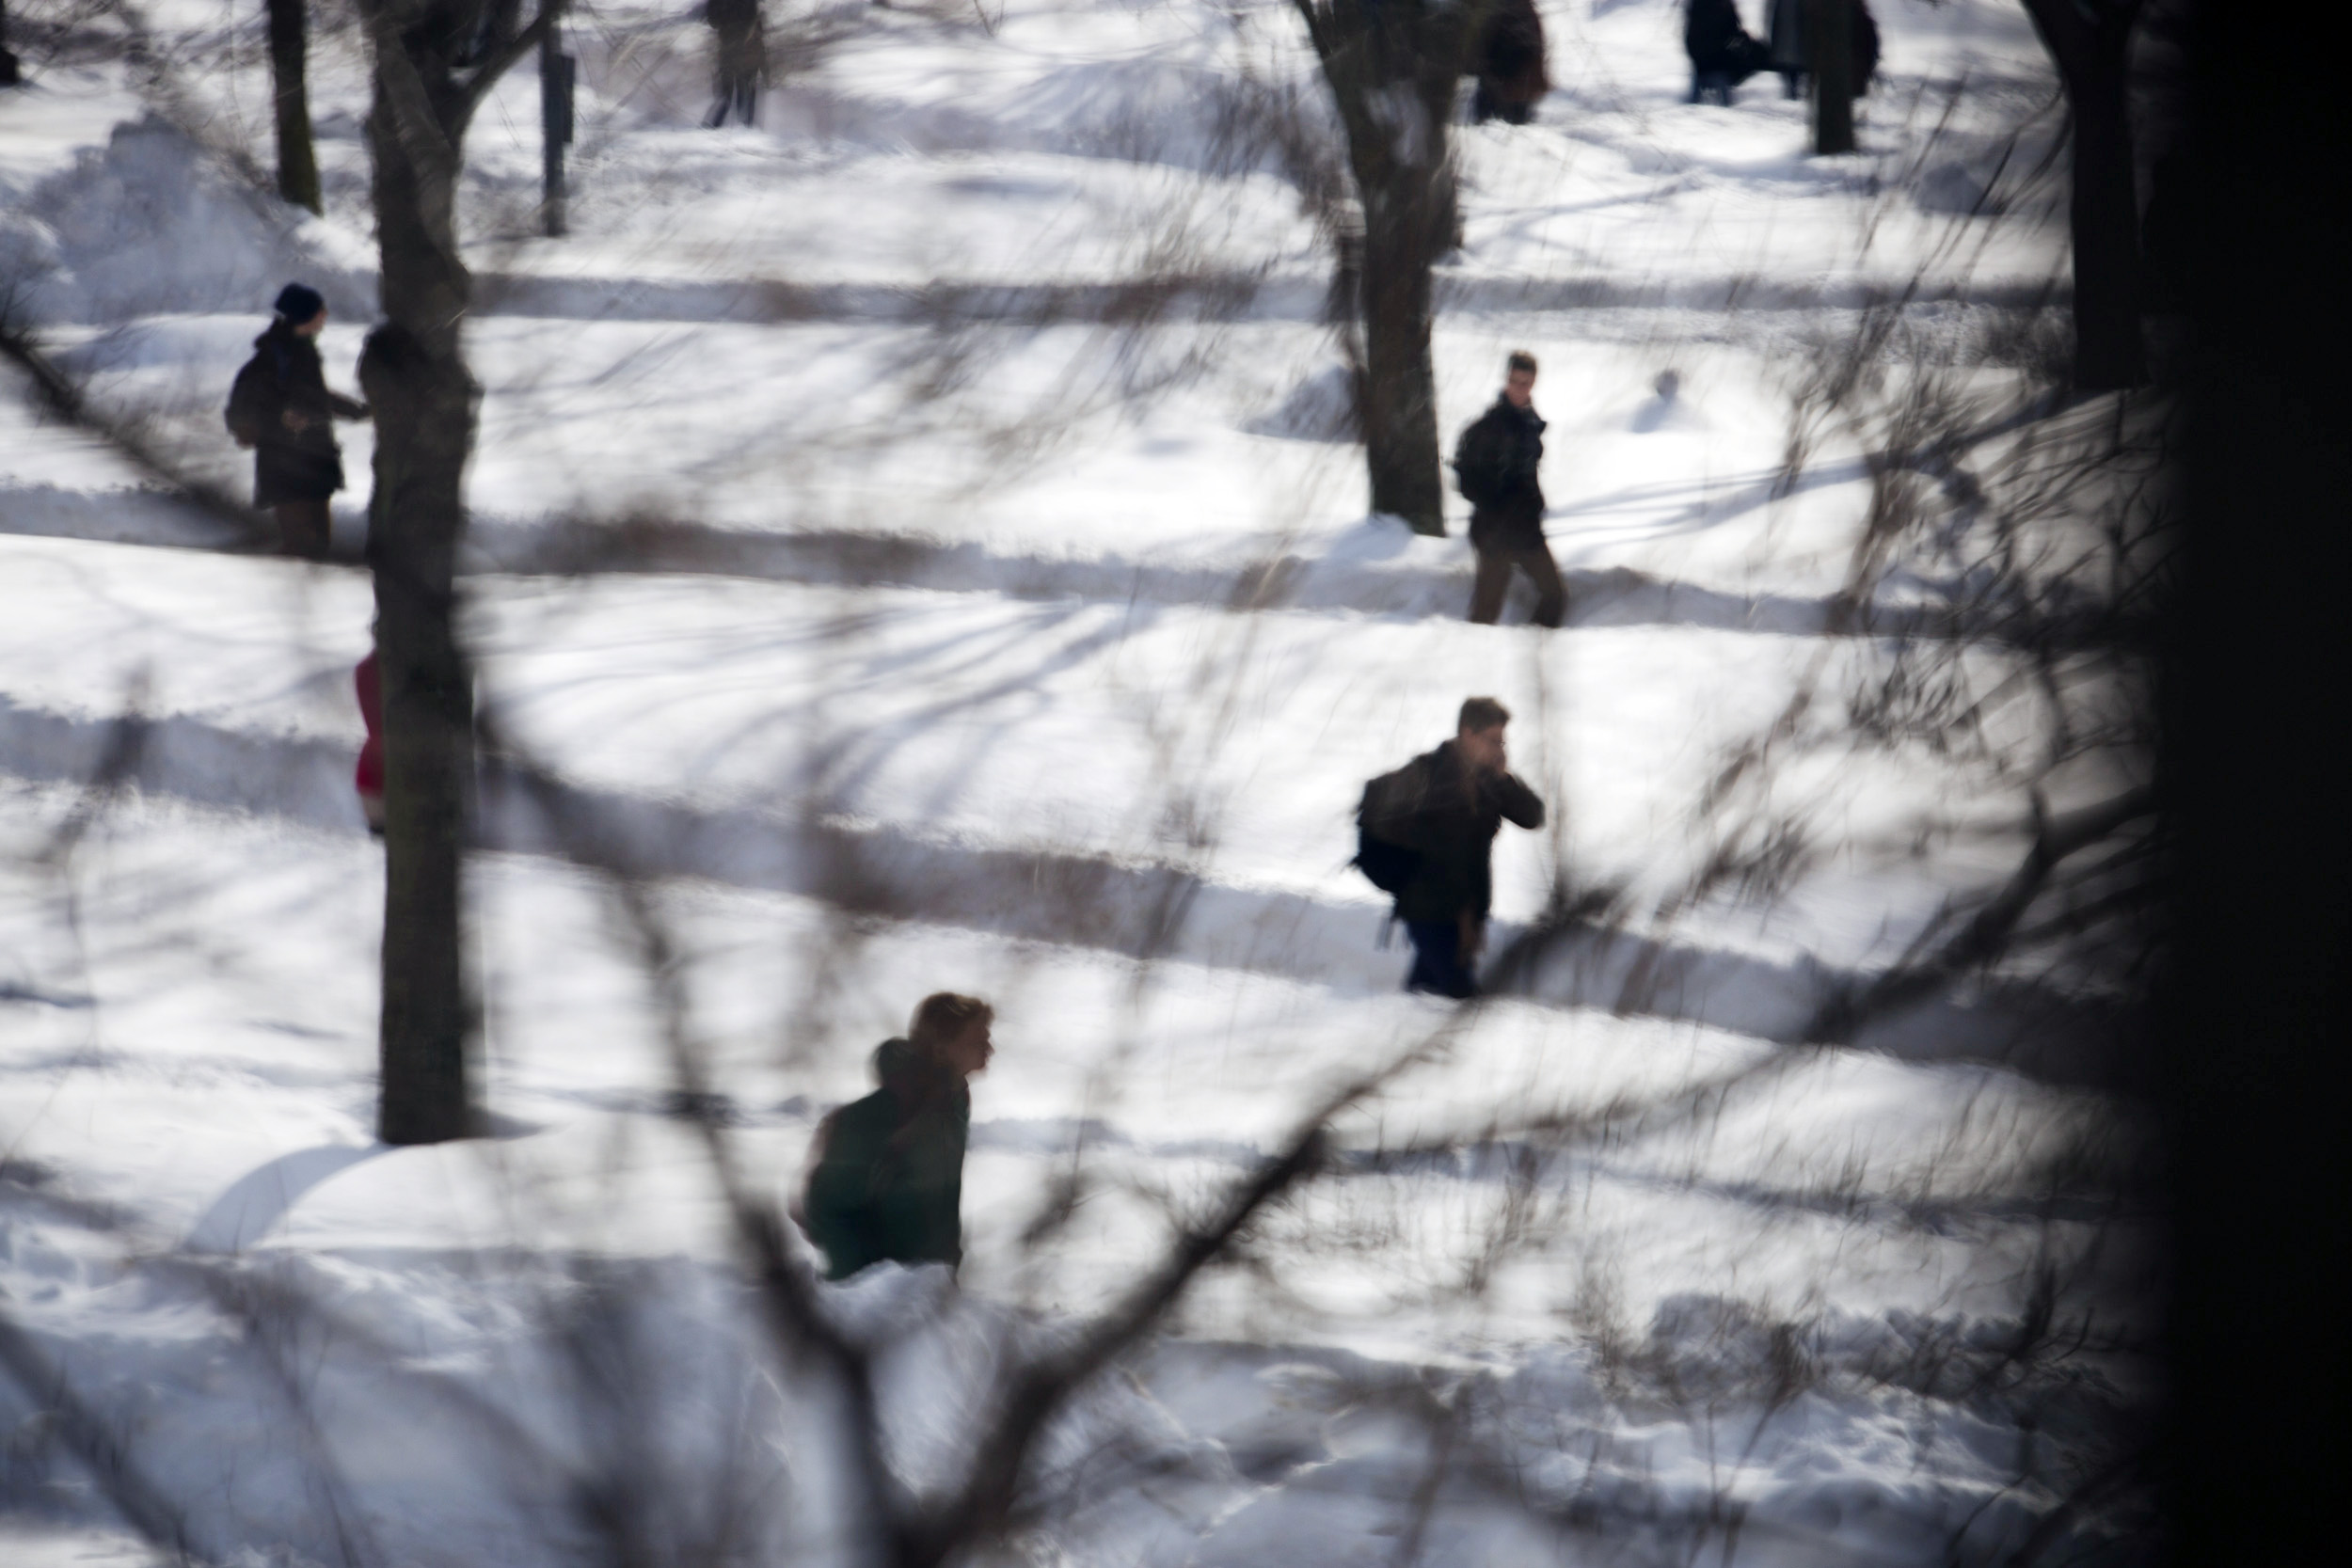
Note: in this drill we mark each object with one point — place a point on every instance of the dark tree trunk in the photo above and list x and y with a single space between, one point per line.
288 63
1391 73
433 66
415 377
1829 38
555 130
10 73
1404 233
2091 47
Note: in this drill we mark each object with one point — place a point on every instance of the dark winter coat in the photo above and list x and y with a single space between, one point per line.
1786 29
742 59
1716 43
1495 462
1510 57
889 1182
1788 47
1433 806
284 375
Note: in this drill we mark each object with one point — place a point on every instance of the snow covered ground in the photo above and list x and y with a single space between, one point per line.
977 625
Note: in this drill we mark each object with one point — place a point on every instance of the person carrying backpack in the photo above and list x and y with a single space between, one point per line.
1425 836
885 1180
1494 465
279 405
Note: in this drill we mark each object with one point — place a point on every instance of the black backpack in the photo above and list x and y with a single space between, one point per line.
1478 464
1386 866
250 397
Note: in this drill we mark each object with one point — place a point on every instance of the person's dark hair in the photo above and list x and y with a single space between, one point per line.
1520 360
1482 713
942 1016
298 302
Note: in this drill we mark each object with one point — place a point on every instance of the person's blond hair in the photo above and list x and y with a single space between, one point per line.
942 1016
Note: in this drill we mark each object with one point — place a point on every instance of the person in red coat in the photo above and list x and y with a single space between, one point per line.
368 778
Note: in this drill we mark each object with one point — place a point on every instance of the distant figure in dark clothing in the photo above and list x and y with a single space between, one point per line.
1722 53
279 406
1446 806
742 61
885 1180
1786 46
1512 76
1494 464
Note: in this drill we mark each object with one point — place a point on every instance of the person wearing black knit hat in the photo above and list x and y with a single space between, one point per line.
280 407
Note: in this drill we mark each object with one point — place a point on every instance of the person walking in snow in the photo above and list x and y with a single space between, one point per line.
742 63
886 1178
1495 464
1722 54
1436 816
1513 74
280 407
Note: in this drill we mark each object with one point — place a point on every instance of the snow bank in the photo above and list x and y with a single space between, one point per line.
151 224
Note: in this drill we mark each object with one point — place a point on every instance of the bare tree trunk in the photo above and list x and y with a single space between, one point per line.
1404 230
555 130
11 75
1391 73
433 67
1829 34
415 377
2091 47
288 63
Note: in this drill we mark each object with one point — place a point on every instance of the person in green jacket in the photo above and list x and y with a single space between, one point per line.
885 1176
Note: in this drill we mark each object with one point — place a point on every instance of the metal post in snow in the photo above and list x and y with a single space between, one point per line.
556 76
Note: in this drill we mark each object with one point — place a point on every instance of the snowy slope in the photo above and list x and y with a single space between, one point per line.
1029 619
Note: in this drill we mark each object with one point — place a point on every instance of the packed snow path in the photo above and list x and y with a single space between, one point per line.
976 572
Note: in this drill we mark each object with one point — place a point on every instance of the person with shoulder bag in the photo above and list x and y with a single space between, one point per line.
279 405
1494 466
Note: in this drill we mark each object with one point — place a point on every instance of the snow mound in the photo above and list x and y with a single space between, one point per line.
151 224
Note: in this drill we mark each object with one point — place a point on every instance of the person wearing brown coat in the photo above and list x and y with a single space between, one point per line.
1512 74
280 407
1446 806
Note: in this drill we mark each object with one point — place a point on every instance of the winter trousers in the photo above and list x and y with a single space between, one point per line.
1437 964
1495 561
1487 104
742 72
303 529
